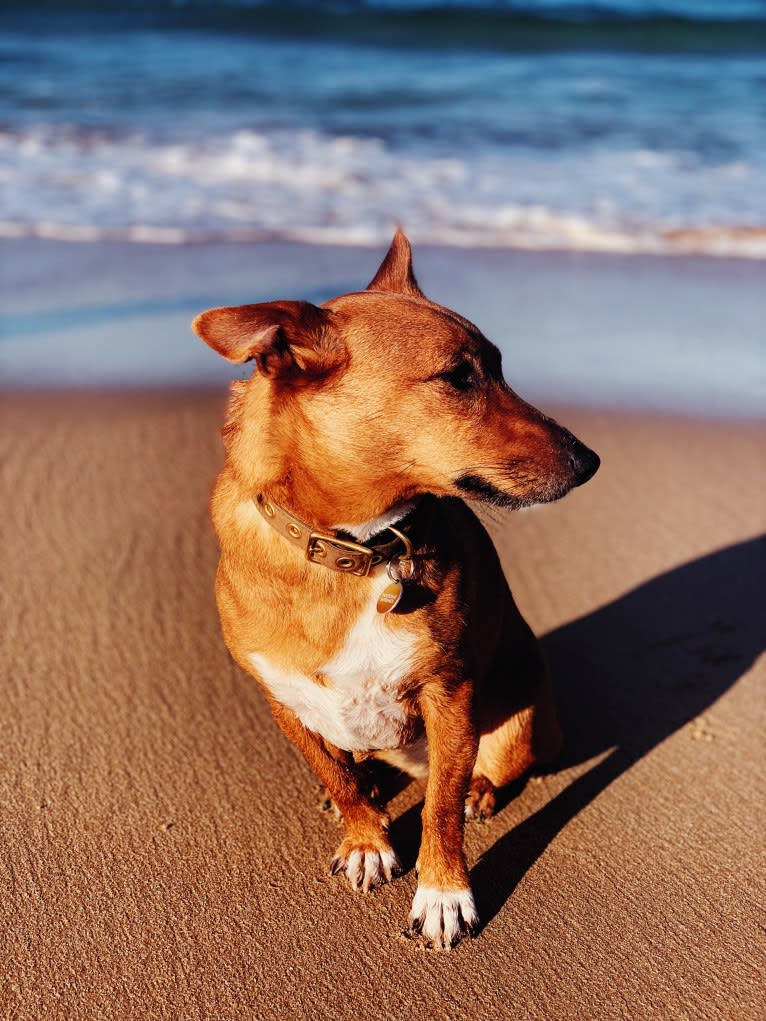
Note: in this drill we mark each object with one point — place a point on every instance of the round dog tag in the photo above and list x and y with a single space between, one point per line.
390 597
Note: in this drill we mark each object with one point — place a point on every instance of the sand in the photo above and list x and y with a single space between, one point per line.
162 853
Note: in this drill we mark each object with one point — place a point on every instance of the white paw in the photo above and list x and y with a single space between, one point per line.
443 917
365 869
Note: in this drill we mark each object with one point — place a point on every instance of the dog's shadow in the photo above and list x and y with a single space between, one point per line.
627 676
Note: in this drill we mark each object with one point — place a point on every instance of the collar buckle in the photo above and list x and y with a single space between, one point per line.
340 554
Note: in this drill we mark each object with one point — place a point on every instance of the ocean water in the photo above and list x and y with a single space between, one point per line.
620 125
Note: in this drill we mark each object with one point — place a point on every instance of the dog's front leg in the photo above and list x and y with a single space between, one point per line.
443 909
365 854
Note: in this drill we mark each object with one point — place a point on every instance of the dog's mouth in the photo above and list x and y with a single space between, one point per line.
527 487
478 488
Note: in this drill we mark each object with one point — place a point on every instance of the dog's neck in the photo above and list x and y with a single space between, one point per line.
312 502
320 497
361 532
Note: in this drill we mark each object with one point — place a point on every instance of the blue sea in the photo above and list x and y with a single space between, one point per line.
622 125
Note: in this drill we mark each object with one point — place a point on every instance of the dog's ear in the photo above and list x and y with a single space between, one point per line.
289 340
395 273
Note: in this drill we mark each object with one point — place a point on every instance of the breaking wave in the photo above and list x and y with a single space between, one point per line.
304 185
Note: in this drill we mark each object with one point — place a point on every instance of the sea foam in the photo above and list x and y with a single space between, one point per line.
305 185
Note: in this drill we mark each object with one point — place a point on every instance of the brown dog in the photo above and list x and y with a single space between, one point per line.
354 582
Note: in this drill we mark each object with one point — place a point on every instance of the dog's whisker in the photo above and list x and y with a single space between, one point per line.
410 464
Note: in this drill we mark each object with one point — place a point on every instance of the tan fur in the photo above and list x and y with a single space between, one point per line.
357 407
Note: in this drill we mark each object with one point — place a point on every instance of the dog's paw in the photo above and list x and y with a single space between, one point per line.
366 867
480 801
443 917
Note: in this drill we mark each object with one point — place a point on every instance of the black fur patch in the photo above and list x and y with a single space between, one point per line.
479 489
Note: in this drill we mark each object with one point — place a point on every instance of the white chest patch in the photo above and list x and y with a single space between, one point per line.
357 709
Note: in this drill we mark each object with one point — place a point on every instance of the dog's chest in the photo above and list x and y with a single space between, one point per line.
354 701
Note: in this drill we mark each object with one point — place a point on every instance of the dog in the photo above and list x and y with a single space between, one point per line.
356 585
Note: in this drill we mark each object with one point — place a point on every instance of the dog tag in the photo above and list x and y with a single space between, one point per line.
390 596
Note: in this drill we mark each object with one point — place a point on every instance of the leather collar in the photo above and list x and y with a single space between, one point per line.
332 550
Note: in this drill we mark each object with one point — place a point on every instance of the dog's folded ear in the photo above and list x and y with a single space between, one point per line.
395 272
289 340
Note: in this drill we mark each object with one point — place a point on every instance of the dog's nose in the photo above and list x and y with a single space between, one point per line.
582 460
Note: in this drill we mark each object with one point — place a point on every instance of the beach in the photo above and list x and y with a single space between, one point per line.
163 854
585 182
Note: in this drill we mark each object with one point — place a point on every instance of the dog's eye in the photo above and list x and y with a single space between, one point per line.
462 377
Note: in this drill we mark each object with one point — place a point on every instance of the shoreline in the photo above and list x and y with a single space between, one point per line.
683 242
649 333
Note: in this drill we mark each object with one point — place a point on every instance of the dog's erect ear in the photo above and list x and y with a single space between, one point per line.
395 273
287 339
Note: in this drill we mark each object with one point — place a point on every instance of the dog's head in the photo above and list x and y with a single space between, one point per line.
380 395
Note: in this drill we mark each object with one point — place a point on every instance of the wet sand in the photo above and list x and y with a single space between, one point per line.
162 852
678 334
